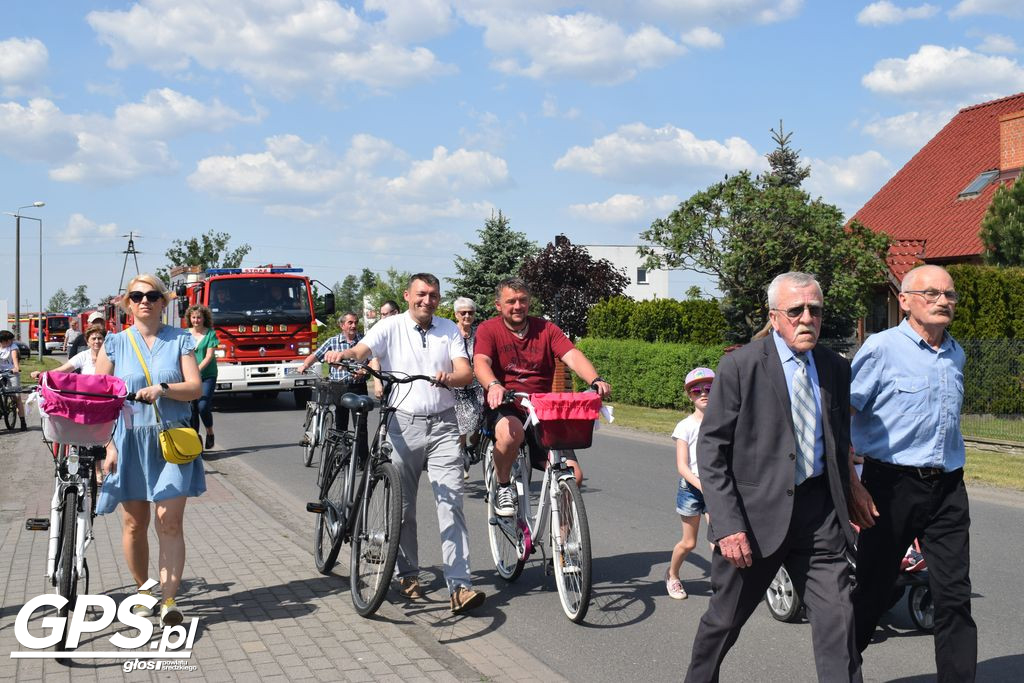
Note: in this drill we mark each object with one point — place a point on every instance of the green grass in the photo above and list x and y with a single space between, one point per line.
30 364
983 467
990 427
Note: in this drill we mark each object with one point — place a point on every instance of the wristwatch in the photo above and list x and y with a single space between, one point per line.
596 380
164 389
493 382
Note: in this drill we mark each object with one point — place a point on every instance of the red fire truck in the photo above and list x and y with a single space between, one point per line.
55 325
265 320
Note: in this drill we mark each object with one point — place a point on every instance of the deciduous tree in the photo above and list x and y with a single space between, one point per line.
79 300
209 250
566 281
60 301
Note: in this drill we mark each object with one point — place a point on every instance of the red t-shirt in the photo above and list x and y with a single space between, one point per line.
526 364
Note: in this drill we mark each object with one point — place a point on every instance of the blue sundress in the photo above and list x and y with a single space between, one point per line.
142 473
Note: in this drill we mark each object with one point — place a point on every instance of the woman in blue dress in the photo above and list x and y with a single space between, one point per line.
136 476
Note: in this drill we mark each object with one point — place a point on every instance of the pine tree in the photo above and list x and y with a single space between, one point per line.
497 255
785 161
1002 229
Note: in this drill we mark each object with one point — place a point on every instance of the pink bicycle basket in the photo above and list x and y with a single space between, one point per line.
79 409
566 420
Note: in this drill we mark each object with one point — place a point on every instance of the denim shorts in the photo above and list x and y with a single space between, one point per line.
689 500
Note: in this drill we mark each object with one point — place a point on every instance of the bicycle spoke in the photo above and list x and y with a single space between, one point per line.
571 552
375 540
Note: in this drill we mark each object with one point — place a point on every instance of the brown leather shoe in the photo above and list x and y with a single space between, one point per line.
465 599
410 588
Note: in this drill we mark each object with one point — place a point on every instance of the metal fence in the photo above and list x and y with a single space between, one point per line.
993 406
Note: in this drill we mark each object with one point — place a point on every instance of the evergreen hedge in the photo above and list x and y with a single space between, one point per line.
693 321
648 374
991 304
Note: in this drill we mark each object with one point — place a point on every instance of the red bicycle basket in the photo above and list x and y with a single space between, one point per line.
566 420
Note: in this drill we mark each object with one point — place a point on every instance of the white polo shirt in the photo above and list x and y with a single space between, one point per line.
400 346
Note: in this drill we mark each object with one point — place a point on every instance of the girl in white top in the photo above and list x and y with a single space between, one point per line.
9 364
689 495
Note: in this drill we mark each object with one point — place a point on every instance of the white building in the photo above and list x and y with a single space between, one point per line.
643 283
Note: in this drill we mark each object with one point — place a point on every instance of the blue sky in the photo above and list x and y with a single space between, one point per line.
337 136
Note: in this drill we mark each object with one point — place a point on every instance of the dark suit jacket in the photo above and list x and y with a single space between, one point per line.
746 449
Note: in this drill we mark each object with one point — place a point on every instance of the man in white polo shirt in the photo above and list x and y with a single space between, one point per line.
424 431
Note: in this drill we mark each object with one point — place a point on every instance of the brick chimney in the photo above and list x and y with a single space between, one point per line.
1011 141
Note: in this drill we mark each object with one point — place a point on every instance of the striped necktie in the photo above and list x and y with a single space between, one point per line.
804 416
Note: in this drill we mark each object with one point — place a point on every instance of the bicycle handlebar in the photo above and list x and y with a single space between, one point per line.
391 377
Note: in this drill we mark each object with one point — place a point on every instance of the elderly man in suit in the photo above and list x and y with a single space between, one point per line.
773 451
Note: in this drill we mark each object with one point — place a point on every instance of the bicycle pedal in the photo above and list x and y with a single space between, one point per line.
37 524
317 508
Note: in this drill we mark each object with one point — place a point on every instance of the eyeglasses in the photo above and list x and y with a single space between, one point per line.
465 312
794 312
152 296
931 296
700 390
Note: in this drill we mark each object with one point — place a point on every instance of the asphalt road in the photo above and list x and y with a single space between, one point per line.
633 630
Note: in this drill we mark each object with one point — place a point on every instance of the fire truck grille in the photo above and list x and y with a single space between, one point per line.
255 348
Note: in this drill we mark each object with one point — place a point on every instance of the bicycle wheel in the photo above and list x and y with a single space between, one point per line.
572 557
326 425
375 540
9 408
64 573
504 536
922 609
329 526
310 436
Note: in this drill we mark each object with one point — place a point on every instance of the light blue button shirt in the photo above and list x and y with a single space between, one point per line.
908 398
789 366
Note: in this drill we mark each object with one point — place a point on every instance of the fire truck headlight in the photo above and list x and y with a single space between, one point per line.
303 350
219 353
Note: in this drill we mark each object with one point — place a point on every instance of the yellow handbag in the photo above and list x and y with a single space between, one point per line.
179 445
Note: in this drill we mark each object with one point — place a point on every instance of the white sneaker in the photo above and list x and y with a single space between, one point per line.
142 610
505 501
170 615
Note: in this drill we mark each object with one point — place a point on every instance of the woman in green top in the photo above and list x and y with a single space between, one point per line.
206 342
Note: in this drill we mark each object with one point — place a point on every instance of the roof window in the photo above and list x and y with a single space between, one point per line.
978 184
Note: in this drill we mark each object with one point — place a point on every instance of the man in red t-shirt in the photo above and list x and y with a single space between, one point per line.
516 352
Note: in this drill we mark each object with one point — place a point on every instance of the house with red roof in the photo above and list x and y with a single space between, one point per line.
933 207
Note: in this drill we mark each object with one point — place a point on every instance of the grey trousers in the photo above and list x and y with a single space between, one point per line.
432 440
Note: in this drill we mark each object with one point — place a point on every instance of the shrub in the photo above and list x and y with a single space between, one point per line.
647 374
991 302
658 320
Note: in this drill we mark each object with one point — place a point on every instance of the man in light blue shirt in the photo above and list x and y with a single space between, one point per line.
906 393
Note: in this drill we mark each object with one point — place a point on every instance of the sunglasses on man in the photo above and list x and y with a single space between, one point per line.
794 312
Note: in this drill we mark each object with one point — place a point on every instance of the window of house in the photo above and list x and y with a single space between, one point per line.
978 184
641 276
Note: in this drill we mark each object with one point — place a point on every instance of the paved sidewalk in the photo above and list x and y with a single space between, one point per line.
263 610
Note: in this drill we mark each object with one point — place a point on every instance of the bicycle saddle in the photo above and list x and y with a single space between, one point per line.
360 404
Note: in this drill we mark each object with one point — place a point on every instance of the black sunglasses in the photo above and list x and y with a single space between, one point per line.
152 296
795 312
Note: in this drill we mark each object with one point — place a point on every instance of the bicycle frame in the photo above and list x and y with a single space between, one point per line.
66 477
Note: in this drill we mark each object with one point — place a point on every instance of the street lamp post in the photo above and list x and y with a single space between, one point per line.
39 327
17 260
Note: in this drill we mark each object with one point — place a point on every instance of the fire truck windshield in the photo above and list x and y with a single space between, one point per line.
237 301
57 323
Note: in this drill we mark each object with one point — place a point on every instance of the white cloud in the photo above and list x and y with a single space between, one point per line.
22 64
638 153
582 45
848 182
97 149
911 130
550 110
411 20
884 13
286 46
291 174
703 37
998 44
625 208
1005 8
82 230
935 71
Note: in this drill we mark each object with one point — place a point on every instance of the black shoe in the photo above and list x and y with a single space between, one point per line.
24 427
209 440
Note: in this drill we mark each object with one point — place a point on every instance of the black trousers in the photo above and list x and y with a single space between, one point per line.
933 509
814 552
359 389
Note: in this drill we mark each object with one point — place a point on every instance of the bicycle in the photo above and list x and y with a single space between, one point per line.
73 506
8 402
320 419
361 497
560 510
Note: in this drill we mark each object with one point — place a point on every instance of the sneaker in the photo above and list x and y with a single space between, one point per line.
142 610
410 588
170 615
24 427
209 441
465 598
505 501
675 588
